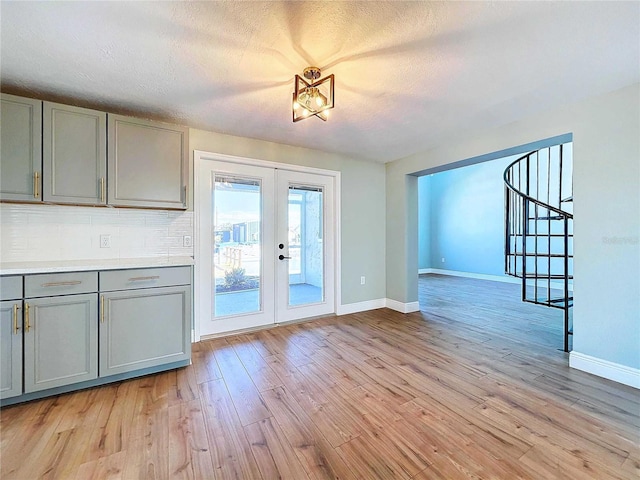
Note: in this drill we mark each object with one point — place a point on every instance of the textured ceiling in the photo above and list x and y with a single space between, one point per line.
409 75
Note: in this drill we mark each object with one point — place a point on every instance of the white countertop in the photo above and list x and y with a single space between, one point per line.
25 268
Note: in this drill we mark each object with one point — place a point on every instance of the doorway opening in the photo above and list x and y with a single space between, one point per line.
466 230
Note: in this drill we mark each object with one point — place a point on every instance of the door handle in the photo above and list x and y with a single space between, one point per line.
282 257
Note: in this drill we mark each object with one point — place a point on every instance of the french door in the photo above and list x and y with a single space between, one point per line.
266 246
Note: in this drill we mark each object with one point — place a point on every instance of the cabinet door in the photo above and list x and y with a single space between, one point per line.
147 163
74 155
60 341
10 349
144 328
20 148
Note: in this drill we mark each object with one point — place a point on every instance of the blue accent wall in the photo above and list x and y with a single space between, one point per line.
461 218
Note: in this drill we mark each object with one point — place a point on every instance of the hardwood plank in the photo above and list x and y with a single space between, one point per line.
204 362
113 433
36 434
189 451
273 453
230 451
558 463
244 394
59 459
104 468
148 443
263 377
318 457
186 386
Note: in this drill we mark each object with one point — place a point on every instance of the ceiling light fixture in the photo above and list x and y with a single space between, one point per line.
313 98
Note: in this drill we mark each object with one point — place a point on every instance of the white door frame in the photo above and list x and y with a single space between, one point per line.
201 296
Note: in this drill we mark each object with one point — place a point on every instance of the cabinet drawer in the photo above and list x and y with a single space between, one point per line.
144 278
49 285
11 288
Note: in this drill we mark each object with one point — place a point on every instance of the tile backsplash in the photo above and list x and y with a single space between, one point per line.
61 232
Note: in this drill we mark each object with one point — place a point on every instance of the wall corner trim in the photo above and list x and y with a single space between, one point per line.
402 307
360 306
605 369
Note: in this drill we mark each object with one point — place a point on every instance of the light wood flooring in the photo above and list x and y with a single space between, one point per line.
473 386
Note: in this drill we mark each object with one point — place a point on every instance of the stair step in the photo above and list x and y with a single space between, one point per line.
549 217
545 255
540 235
541 276
568 199
553 303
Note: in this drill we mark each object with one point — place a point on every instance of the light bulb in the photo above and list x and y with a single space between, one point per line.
319 101
305 112
296 105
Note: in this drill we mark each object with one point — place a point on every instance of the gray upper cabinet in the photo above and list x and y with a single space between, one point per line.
147 163
20 149
74 147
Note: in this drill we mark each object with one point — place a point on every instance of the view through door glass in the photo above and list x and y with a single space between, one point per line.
237 245
306 246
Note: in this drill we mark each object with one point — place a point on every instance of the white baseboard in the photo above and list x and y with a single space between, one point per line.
402 307
479 276
378 303
606 369
492 278
361 306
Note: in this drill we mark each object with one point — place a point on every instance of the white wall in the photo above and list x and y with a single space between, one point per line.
606 156
362 204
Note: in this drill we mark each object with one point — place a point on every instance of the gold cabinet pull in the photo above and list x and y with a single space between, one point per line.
102 192
15 319
101 308
27 324
61 284
186 195
36 184
142 279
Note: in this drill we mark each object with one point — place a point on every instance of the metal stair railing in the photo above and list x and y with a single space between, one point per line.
539 229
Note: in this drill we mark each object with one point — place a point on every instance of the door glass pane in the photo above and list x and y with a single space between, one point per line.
237 247
306 247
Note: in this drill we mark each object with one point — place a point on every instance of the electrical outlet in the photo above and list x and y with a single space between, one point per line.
362 280
186 241
105 241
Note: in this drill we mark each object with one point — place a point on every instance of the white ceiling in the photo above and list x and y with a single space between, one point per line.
409 75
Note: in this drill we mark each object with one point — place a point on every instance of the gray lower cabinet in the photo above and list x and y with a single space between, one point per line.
10 348
143 328
63 331
10 336
20 149
74 153
60 341
147 163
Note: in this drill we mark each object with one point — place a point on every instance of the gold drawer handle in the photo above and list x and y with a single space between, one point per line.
101 308
36 184
15 319
61 284
102 193
142 279
27 324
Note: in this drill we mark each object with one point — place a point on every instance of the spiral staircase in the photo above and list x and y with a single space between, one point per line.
539 229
